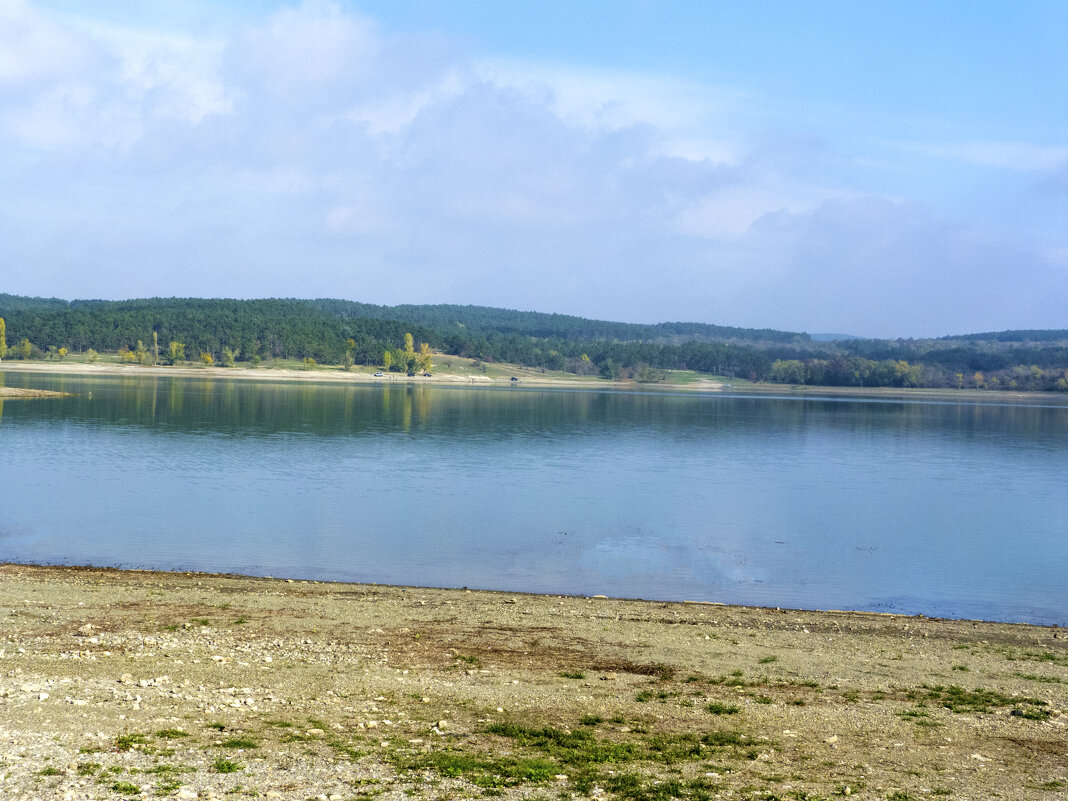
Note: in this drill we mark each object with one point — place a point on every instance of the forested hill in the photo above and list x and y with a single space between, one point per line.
342 332
488 320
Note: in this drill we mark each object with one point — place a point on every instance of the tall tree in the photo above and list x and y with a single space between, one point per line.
3 339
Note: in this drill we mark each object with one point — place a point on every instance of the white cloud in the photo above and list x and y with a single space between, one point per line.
310 153
1004 155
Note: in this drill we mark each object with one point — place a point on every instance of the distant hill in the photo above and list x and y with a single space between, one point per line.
1037 335
331 331
832 337
486 319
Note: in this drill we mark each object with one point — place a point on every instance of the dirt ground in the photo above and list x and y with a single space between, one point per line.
124 684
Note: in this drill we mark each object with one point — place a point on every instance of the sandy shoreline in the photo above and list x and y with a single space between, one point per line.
116 683
501 376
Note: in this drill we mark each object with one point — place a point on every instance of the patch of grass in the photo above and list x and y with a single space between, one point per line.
590 720
767 660
124 742
225 766
962 668
167 786
761 699
239 742
575 748
1031 713
126 788
171 734
961 700
166 769
217 726
717 708
200 621
1038 678
919 717
474 661
240 621
88 768
279 724
51 770
483 771
567 674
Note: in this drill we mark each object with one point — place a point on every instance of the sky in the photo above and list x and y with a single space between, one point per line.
884 169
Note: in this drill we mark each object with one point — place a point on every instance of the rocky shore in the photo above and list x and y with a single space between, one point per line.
137 684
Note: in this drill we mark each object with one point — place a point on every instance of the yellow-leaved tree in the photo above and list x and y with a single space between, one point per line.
3 339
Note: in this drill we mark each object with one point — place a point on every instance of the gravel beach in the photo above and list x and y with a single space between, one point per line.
142 684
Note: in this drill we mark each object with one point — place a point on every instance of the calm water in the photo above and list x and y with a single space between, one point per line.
944 509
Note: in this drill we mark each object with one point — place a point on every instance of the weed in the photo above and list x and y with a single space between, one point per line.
474 661
1042 679
590 720
717 708
486 772
217 726
767 660
279 724
171 734
124 742
240 621
225 766
963 668
567 674
170 770
51 770
126 788
761 699
200 621
577 748
919 717
88 768
239 742
167 786
958 699
1031 713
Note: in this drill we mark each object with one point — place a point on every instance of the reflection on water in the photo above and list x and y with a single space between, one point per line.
941 509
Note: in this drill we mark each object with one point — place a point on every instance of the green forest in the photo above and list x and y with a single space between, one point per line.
340 332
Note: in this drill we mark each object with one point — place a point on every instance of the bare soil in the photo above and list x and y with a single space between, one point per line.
139 684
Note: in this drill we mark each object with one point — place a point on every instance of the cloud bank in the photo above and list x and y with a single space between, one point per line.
309 153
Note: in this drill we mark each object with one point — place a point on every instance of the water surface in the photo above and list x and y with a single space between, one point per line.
944 509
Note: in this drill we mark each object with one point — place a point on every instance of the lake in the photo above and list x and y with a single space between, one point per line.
950 509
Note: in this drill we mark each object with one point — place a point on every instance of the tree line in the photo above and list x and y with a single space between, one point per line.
338 332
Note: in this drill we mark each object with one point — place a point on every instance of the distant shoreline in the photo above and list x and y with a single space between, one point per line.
525 377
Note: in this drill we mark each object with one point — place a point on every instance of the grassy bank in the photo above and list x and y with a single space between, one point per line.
118 684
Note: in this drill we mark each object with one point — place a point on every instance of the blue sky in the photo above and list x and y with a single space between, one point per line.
881 169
